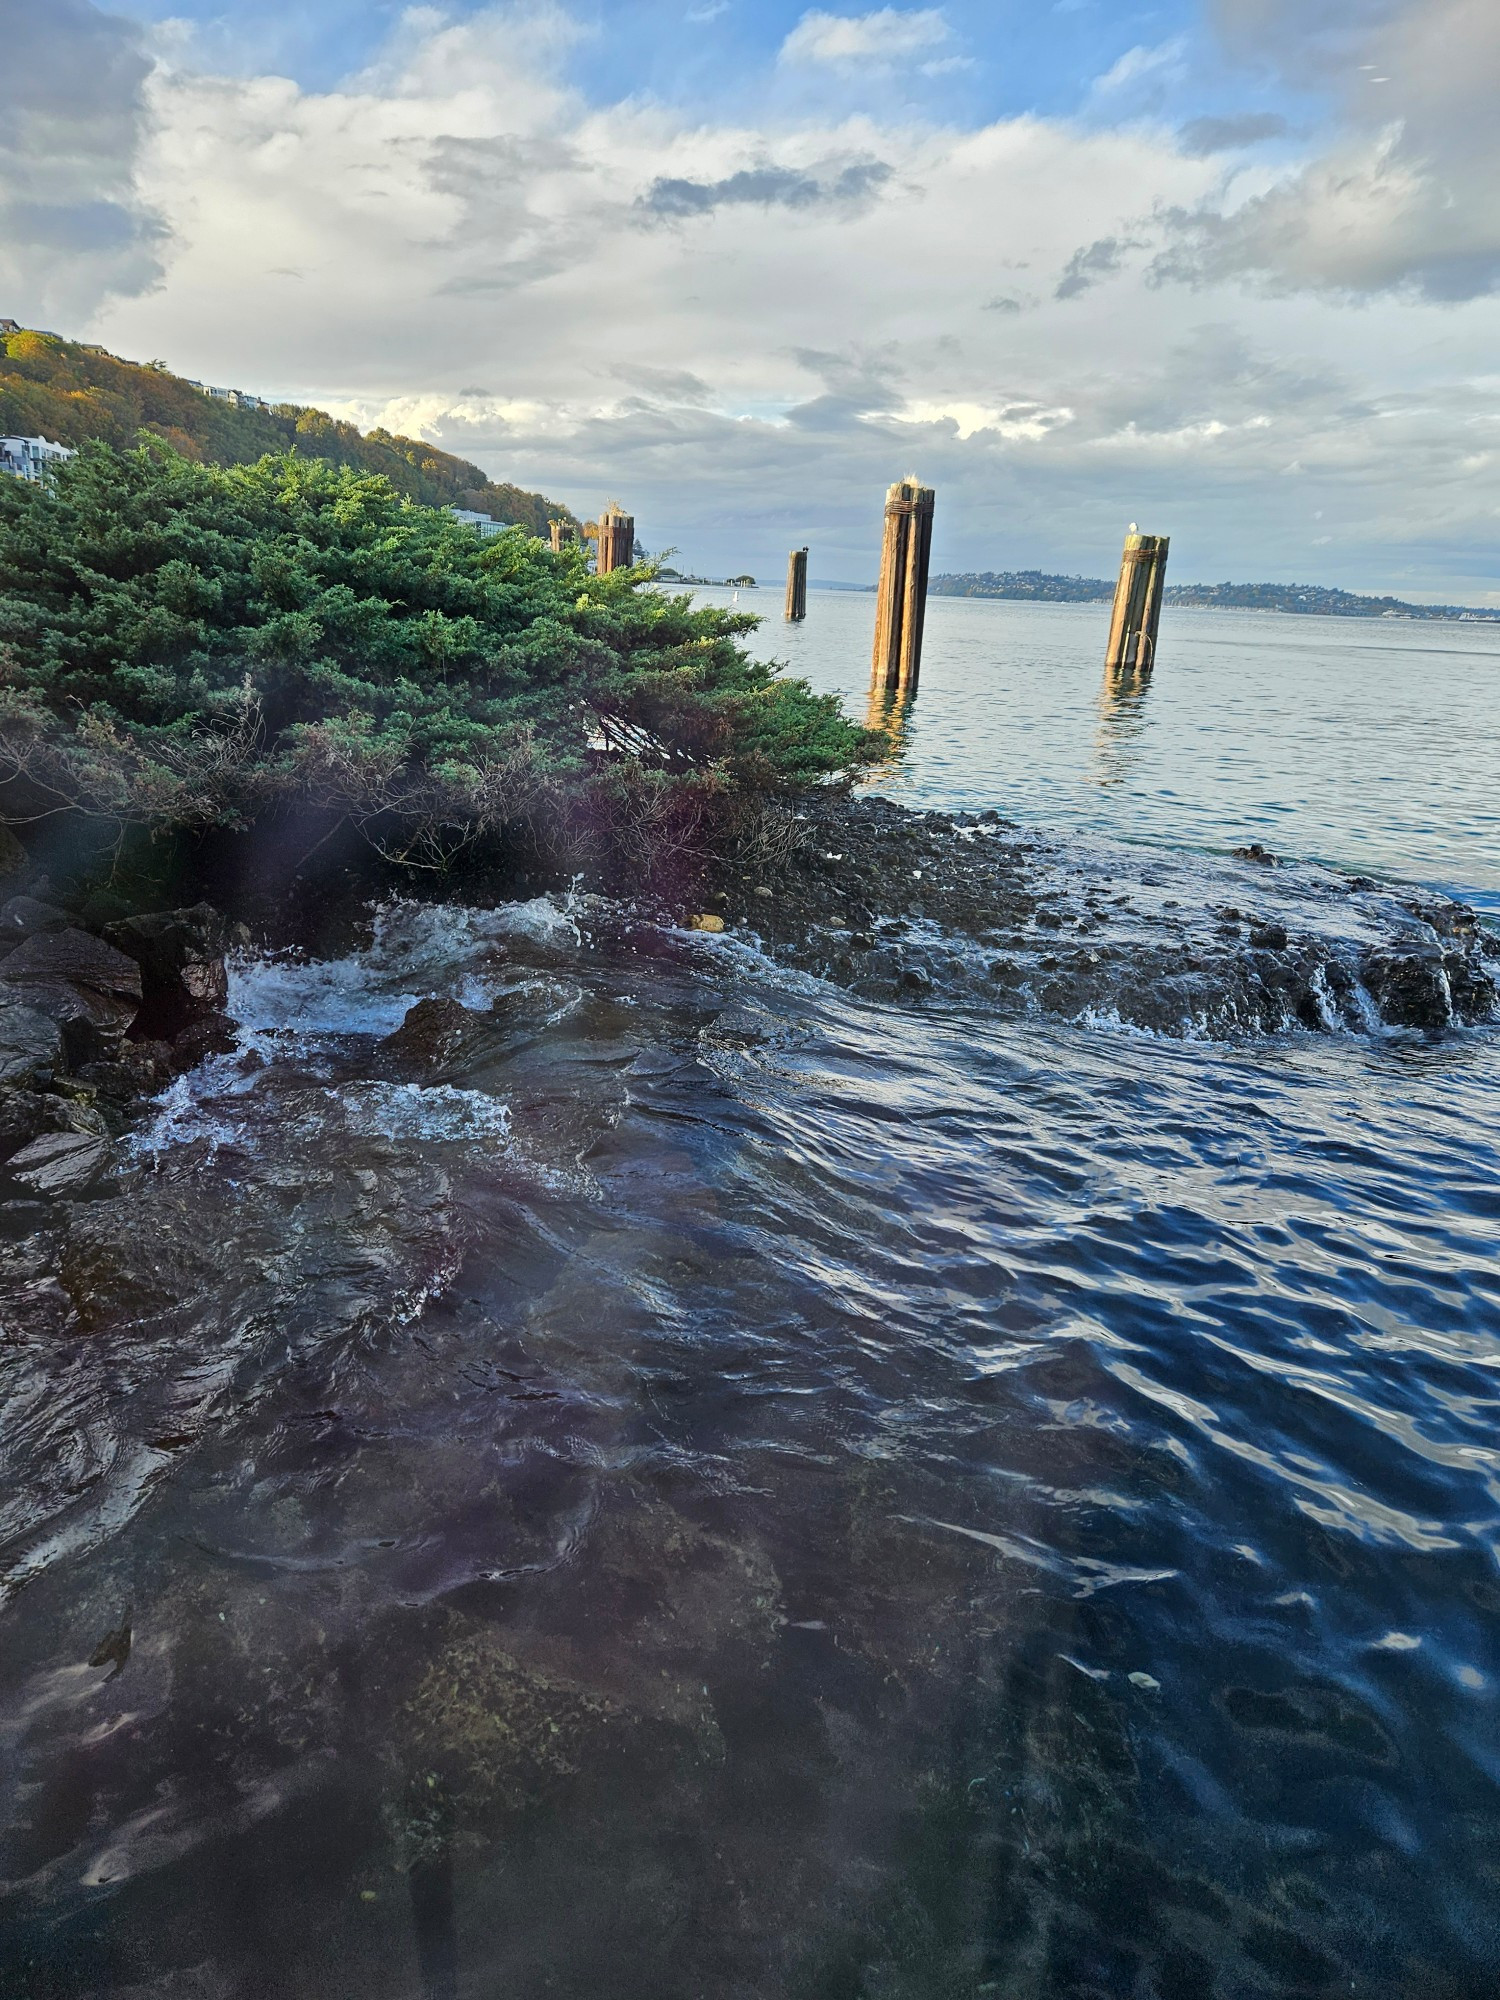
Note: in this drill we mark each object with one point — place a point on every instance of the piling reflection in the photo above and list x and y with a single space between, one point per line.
889 715
1121 731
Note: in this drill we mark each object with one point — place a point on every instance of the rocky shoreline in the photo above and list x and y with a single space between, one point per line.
99 1012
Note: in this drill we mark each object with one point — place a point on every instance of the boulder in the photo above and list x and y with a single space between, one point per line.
181 958
60 1163
433 1034
26 1114
1409 987
30 1041
89 989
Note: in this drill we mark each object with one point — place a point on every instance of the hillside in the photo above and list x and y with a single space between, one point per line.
57 388
1308 599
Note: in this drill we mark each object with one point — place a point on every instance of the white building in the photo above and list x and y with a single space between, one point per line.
240 399
484 525
31 458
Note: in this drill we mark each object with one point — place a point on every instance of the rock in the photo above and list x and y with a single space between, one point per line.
213 1035
26 1114
432 1034
88 988
30 1041
706 921
1409 987
1269 937
14 860
180 954
60 1163
22 915
762 890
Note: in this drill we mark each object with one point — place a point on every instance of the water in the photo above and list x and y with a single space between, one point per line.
681 1481
1366 743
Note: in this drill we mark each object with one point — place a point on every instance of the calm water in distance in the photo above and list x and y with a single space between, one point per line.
1371 744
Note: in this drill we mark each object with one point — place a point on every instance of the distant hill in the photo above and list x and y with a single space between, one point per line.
61 389
1309 599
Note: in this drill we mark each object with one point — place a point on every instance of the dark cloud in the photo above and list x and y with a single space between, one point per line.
766 186
73 228
1202 136
1093 263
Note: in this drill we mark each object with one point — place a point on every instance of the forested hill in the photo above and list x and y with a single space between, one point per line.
1310 599
55 388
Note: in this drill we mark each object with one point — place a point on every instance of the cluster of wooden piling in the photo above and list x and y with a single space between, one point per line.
901 599
1137 612
796 586
901 596
616 540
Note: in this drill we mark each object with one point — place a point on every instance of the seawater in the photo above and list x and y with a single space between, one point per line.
701 1485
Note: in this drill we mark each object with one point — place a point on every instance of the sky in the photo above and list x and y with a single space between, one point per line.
1226 268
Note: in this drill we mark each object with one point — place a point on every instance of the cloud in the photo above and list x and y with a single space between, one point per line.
891 35
700 314
1092 264
1202 136
1403 199
764 187
73 228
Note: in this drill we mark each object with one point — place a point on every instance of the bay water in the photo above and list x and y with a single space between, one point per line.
703 1485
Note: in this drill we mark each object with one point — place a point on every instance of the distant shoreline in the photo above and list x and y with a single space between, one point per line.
1297 599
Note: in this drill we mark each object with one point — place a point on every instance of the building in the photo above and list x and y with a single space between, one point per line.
238 399
10 326
484 525
31 458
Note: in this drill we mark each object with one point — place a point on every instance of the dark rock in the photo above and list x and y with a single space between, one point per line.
26 1114
213 1035
433 1033
180 954
30 1041
1269 937
22 915
83 984
1409 987
60 1163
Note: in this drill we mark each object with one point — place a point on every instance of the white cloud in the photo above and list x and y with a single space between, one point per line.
748 329
890 35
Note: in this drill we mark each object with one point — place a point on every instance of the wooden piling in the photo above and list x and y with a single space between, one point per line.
561 534
1137 611
616 540
901 601
796 585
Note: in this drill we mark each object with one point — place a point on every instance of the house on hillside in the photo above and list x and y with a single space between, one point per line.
10 326
31 458
238 399
484 525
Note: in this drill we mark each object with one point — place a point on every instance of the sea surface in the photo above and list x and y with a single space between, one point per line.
684 1484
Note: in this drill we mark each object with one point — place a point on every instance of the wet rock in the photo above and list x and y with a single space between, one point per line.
28 1114
706 921
60 1163
181 958
1409 987
213 1035
1269 937
89 989
433 1034
30 1041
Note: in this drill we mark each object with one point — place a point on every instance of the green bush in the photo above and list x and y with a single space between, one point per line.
188 645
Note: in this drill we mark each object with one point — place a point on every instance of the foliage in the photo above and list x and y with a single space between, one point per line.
188 645
73 393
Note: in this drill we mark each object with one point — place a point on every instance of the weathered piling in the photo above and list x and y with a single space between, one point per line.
796 585
901 602
561 534
1137 612
616 540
